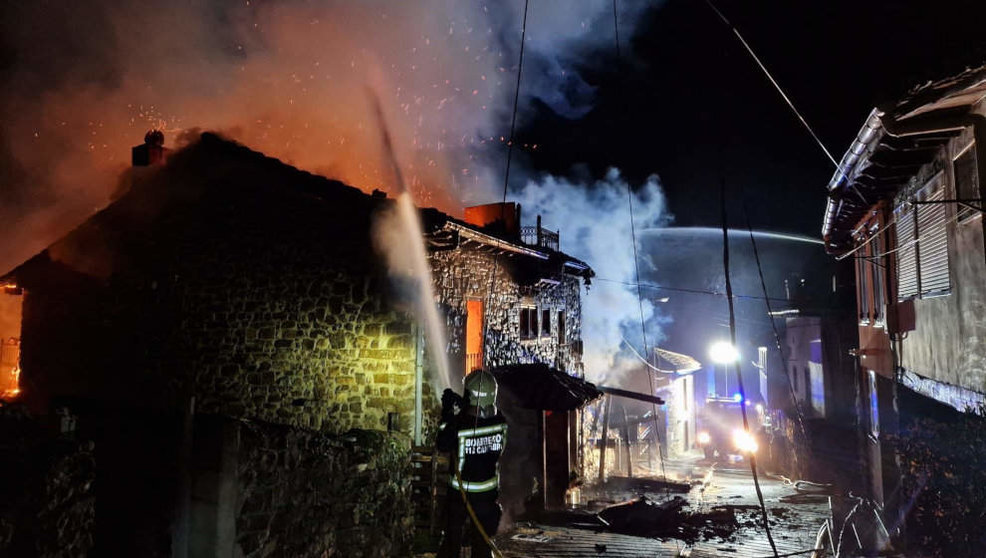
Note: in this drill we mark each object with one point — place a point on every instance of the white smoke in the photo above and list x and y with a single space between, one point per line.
593 219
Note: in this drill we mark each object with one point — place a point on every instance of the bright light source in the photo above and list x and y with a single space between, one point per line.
737 397
759 408
704 438
723 352
664 299
744 441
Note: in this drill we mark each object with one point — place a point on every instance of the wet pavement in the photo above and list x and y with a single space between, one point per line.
794 521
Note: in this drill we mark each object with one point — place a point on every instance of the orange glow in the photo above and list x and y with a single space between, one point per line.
11 384
10 370
474 335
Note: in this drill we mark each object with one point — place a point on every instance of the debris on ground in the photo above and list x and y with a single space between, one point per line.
532 537
639 485
642 515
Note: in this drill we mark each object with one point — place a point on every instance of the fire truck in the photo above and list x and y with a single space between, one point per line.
721 434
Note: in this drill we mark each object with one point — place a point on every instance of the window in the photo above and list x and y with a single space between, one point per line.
561 327
545 323
877 269
922 244
907 262
862 283
528 323
966 181
933 277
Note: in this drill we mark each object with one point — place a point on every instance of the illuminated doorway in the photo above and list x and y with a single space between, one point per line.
474 335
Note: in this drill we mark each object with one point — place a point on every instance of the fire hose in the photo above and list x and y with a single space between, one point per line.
475 520
472 512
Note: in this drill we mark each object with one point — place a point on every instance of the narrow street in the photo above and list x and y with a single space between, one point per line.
794 519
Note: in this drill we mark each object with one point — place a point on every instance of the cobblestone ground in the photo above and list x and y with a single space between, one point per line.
794 526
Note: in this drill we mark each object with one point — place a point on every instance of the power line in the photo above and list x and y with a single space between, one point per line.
774 82
636 272
736 365
773 326
684 290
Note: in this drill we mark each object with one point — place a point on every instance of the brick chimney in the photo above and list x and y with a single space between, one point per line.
151 152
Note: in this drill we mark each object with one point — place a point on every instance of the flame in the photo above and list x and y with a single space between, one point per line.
14 382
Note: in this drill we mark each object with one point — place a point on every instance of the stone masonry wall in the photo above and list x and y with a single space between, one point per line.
317 350
48 487
307 494
464 274
291 320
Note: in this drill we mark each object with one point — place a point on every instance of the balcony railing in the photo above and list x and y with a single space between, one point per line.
539 237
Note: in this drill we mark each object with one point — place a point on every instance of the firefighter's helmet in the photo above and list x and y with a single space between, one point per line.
480 387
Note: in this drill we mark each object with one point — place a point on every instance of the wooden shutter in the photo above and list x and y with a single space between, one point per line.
933 242
907 265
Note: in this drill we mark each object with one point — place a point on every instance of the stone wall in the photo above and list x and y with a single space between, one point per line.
319 350
306 494
48 504
228 277
465 274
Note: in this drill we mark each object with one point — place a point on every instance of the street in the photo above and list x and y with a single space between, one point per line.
794 525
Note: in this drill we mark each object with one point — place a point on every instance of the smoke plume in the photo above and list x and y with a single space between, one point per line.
85 80
594 223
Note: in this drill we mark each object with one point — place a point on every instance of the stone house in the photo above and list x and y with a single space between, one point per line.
227 336
906 207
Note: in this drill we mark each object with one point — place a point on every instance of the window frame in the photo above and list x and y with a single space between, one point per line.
965 214
877 274
863 295
528 323
929 251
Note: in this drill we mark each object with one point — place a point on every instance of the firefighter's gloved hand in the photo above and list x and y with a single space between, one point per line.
450 400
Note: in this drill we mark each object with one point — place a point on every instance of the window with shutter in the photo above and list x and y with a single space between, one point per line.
933 241
966 181
877 270
907 262
862 285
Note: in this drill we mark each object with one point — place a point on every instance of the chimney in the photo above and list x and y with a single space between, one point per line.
498 217
151 152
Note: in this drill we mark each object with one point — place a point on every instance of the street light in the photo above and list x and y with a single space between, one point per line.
723 352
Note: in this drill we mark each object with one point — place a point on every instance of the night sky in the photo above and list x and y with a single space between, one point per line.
688 103
684 102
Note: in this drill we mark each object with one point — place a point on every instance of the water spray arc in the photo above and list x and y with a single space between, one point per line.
411 240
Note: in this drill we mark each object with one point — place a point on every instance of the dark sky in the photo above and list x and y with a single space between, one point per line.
688 103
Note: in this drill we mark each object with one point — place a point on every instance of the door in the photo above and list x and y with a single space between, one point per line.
474 335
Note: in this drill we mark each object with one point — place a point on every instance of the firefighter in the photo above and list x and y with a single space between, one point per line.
474 438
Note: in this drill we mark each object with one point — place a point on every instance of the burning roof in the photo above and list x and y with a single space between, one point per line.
214 166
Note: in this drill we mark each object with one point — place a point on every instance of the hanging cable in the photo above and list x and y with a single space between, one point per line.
654 287
773 327
640 299
776 85
739 373
506 181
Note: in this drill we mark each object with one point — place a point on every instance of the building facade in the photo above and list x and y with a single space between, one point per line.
906 207
228 336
